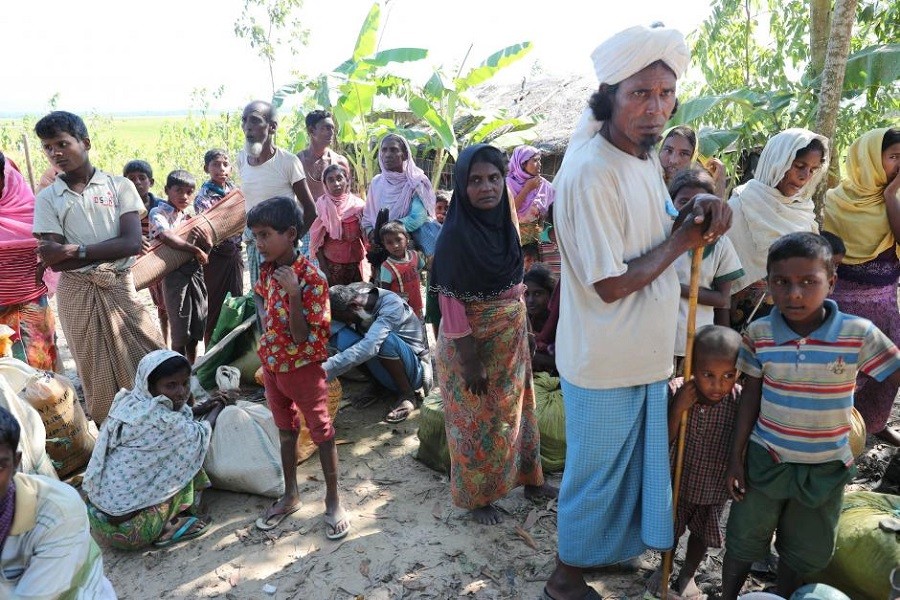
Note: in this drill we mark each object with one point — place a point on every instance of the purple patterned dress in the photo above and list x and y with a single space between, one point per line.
870 290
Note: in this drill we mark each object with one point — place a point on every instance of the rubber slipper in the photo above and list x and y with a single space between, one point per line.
331 527
403 410
589 594
264 523
182 535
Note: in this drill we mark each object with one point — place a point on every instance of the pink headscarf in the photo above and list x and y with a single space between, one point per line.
517 176
331 211
394 191
18 261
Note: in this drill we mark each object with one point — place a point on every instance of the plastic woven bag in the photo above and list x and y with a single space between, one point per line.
433 450
551 418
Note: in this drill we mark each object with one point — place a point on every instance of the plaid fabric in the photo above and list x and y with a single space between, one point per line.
702 519
615 500
707 445
108 330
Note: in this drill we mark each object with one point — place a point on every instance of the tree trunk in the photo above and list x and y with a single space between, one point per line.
819 28
833 82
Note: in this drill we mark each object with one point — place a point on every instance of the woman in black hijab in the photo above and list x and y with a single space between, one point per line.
484 362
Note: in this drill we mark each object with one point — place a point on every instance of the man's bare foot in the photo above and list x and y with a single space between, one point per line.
889 435
487 515
539 493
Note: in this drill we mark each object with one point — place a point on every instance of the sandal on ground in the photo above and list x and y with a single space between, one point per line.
331 526
401 411
183 532
272 520
589 594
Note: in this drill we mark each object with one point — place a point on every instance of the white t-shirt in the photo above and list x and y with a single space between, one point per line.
611 208
722 264
90 217
275 177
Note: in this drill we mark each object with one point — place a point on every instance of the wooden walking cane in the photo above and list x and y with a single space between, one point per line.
696 259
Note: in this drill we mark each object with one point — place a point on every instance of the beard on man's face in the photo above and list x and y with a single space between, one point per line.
254 149
648 142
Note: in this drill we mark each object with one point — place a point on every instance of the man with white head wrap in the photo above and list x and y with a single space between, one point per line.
619 305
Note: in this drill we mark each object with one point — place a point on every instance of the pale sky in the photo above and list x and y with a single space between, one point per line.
111 56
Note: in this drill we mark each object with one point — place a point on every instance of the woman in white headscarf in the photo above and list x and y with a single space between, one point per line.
145 475
777 201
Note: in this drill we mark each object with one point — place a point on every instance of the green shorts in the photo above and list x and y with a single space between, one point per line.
799 502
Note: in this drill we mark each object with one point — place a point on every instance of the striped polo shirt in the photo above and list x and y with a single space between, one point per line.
808 382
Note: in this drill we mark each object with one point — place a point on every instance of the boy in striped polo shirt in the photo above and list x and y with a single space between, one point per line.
800 363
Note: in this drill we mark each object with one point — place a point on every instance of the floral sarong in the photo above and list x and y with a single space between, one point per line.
493 439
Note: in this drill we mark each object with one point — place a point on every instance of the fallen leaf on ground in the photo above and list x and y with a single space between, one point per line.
437 512
526 537
474 587
364 567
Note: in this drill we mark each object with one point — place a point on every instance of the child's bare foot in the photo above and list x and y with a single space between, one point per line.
538 493
487 515
337 524
277 513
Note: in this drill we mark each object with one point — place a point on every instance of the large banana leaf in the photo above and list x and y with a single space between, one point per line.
492 64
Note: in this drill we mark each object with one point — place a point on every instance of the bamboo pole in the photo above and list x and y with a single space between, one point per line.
28 162
696 259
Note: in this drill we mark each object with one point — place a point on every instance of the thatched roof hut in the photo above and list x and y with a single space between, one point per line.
557 104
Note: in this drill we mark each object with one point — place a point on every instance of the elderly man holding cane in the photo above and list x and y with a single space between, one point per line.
618 239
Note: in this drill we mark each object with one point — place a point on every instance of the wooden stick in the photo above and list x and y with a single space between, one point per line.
28 162
696 259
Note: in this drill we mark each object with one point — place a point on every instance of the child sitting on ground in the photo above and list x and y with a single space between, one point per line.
711 399
719 267
441 205
224 272
184 290
539 287
791 457
400 270
292 301
141 175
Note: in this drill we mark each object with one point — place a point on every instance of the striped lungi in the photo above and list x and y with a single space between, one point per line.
616 496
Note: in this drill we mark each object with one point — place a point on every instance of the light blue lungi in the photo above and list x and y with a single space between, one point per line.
616 497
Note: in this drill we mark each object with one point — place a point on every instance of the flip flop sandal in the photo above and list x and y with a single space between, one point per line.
264 523
590 594
182 535
331 527
404 411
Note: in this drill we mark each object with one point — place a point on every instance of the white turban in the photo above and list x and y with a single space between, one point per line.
623 55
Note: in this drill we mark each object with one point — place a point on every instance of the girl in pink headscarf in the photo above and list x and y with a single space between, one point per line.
405 191
23 298
336 237
532 193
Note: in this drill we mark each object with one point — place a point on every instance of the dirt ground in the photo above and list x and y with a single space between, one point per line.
407 539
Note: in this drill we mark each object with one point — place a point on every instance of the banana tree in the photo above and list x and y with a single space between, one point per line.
359 92
453 116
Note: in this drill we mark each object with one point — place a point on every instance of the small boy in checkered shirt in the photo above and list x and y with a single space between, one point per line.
711 399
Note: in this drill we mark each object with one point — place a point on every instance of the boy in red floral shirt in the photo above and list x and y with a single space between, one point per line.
292 302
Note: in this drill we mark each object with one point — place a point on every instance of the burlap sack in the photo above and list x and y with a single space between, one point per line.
69 441
305 446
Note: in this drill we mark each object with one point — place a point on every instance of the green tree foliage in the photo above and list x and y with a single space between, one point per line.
270 25
754 57
369 99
